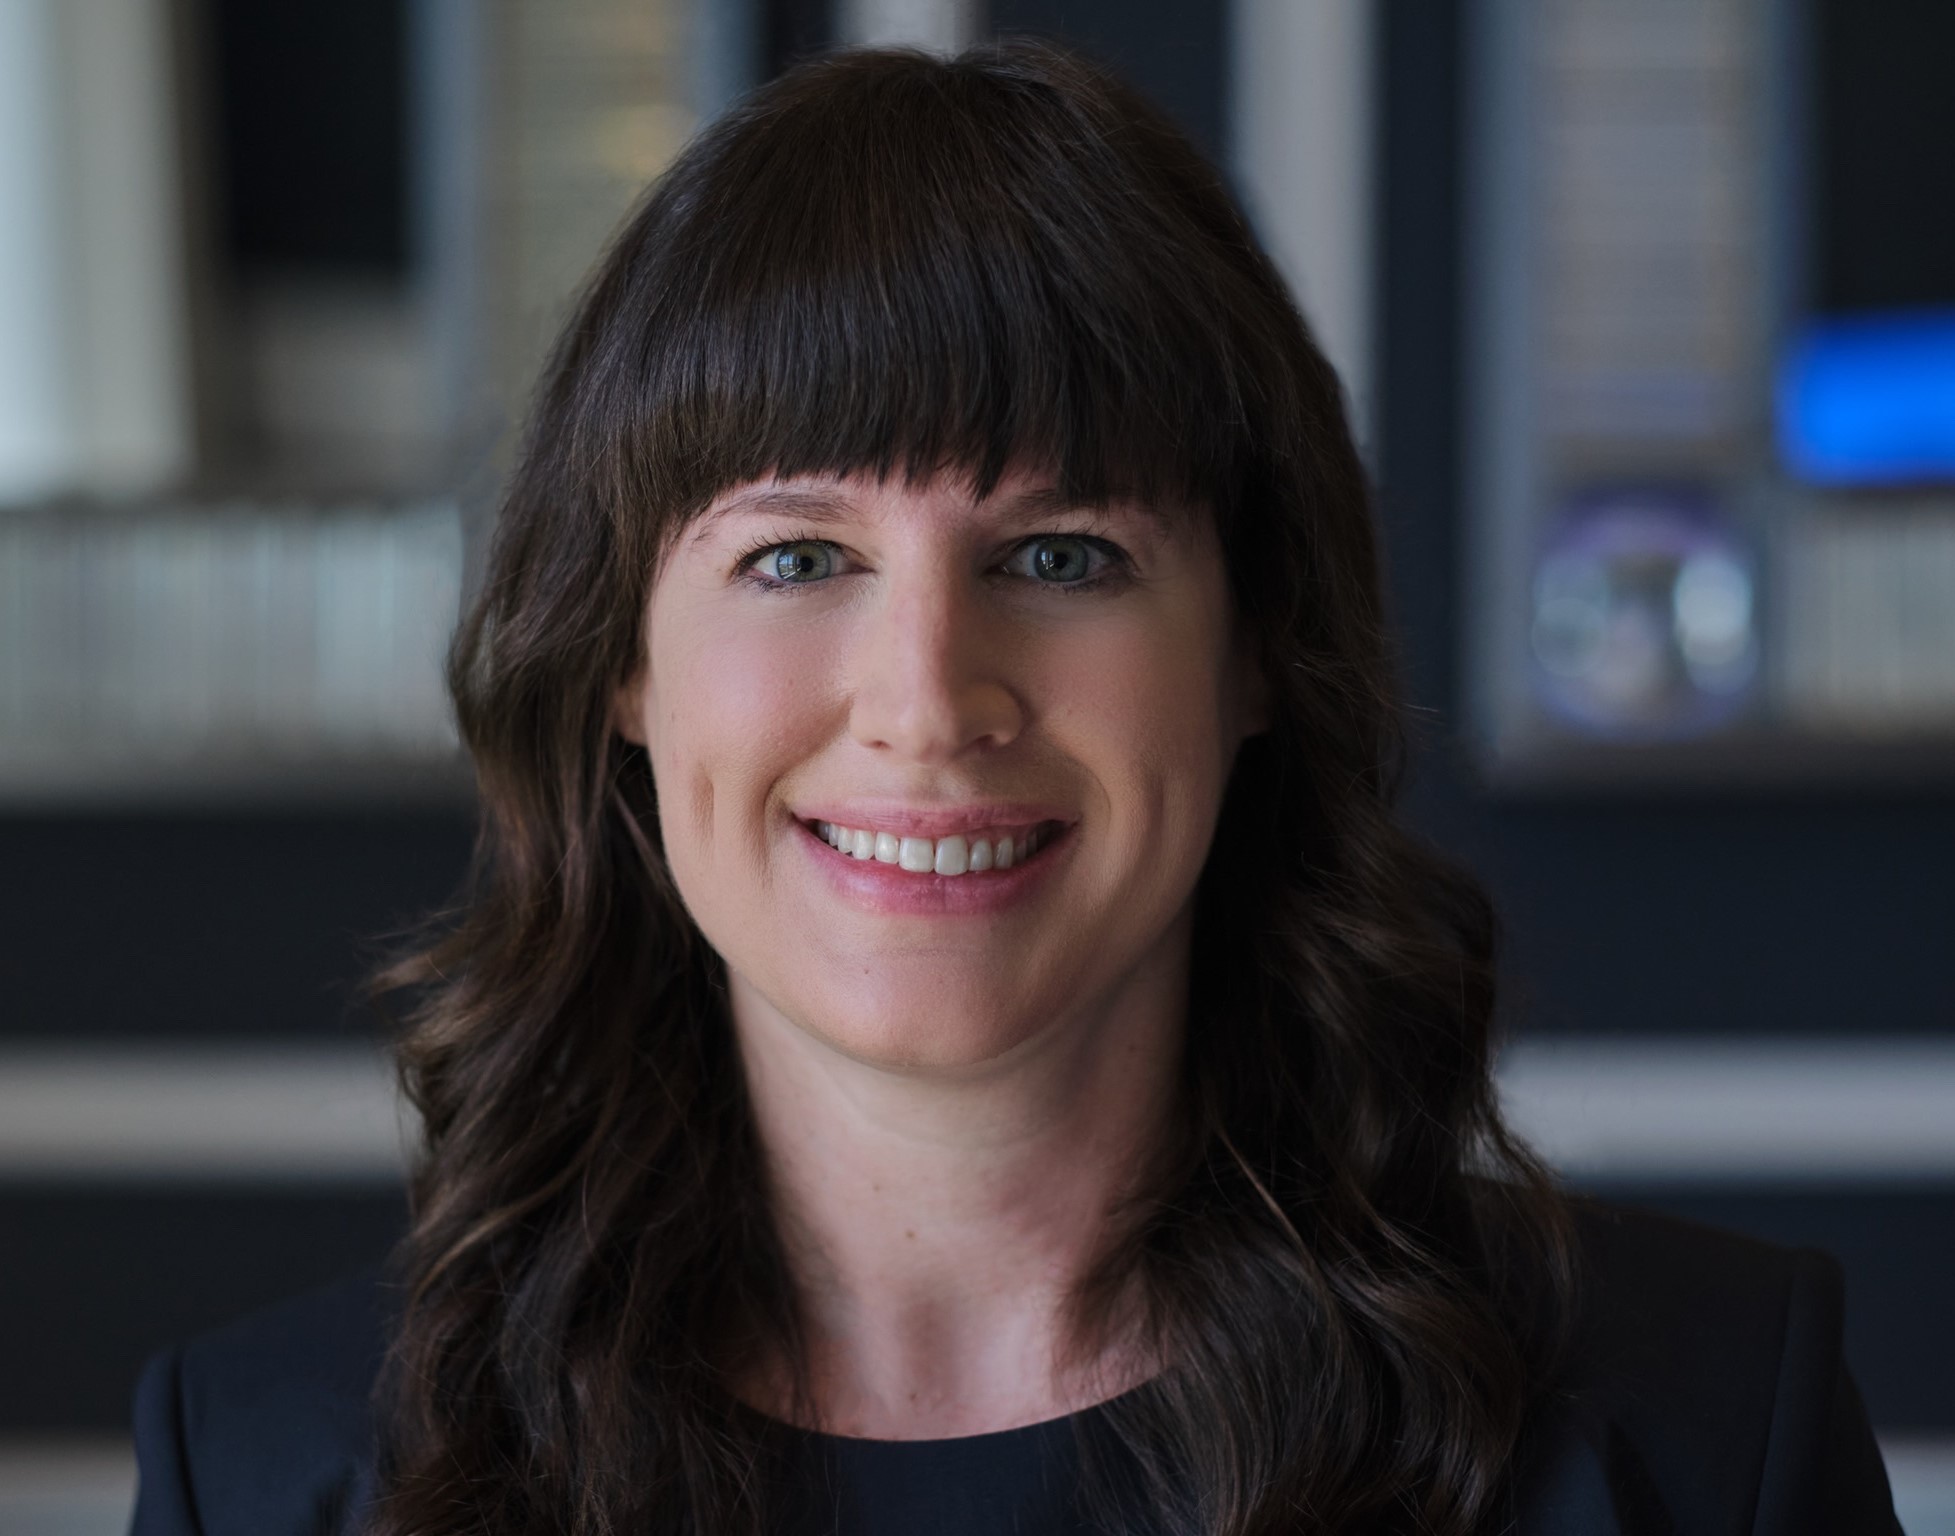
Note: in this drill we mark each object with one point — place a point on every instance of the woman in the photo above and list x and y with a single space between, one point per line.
948 1034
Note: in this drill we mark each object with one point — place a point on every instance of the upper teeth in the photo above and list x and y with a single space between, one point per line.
952 855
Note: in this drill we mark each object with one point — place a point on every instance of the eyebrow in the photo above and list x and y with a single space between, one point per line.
798 501
775 501
1043 500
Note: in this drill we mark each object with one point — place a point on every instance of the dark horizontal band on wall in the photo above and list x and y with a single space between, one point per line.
98 1278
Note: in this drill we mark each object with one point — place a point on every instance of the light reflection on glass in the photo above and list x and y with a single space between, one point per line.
1644 618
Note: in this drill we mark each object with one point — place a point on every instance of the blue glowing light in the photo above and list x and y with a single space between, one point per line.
1870 400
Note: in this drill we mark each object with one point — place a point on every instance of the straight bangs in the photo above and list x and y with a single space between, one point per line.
903 266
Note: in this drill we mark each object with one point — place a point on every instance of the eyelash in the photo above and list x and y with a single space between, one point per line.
1119 565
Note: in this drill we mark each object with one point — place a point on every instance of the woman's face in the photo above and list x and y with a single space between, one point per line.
925 678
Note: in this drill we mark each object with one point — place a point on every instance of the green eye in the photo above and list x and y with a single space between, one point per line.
803 562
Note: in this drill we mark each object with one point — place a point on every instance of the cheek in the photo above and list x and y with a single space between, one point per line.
733 707
1152 689
1144 709
1164 676
740 689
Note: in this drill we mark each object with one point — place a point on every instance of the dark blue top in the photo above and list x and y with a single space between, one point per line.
1707 1394
1016 1480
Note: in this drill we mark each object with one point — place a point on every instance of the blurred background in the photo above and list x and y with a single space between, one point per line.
1647 314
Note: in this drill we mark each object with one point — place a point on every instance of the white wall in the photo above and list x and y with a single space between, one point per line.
93 329
1304 158
941 26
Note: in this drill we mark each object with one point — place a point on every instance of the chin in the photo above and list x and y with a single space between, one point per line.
925 1037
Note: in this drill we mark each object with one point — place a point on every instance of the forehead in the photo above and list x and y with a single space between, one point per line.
1020 498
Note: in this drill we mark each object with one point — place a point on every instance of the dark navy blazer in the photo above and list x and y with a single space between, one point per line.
1707 1395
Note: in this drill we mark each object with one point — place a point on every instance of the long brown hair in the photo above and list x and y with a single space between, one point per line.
884 262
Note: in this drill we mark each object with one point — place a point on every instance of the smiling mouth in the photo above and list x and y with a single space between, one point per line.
976 854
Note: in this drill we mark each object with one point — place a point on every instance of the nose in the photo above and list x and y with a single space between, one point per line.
931 672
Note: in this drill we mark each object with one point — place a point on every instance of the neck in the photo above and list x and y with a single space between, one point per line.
938 1227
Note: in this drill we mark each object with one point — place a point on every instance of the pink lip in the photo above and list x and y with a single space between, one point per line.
887 889
924 821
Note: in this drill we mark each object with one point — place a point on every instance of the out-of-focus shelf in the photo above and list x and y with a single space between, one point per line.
1684 1111
66 1486
152 1114
229 652
1710 542
91 780
1774 761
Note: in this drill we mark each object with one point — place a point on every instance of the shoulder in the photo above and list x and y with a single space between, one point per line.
1663 1297
1706 1385
265 1425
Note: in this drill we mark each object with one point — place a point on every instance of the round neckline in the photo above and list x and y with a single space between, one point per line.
1037 1428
